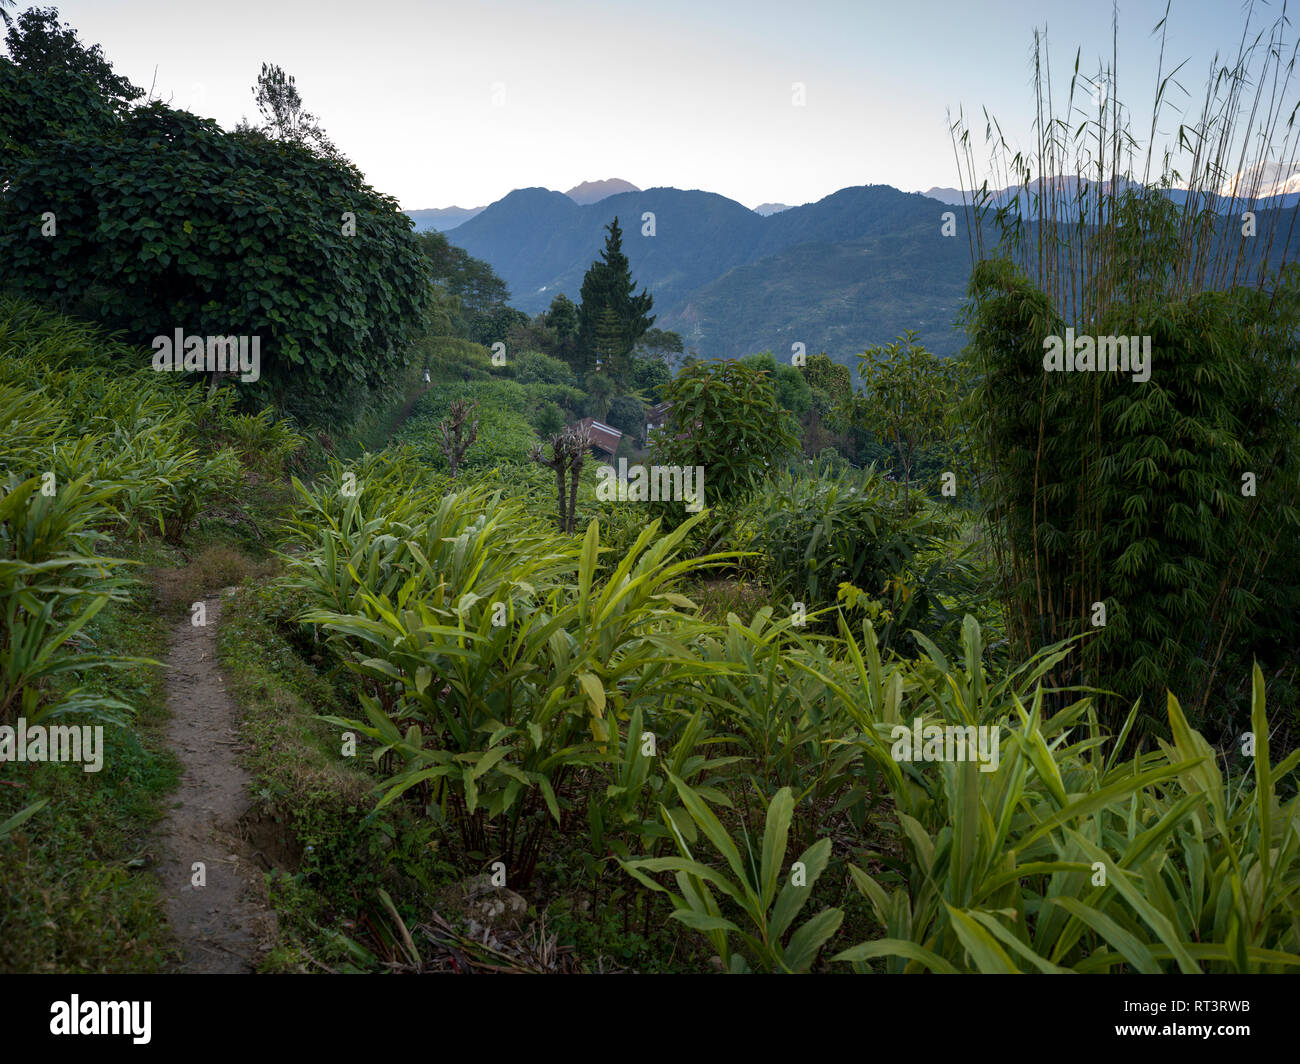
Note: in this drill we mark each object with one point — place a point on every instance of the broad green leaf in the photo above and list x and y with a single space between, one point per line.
595 691
897 947
1128 945
775 835
808 940
702 921
986 953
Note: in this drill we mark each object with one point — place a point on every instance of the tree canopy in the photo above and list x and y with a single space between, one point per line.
476 300
613 317
724 417
162 221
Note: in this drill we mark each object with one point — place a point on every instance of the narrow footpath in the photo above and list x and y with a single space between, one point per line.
225 924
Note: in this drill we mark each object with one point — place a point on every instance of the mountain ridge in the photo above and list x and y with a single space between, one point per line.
685 247
595 191
445 219
855 268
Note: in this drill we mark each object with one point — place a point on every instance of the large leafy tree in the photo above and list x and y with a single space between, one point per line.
909 401
627 414
608 288
724 417
826 423
51 84
165 222
832 379
650 376
562 320
471 280
476 299
792 391
660 343
40 45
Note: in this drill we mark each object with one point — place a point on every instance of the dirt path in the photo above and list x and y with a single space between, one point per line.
404 413
225 925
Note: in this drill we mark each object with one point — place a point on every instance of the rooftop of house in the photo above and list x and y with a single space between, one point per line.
603 437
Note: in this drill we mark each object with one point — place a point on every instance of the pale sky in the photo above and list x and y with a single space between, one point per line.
687 93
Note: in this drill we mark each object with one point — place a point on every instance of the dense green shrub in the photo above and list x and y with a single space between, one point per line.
504 434
1044 856
650 377
724 417
855 527
92 446
566 397
547 419
502 632
909 408
450 358
792 390
502 733
627 414
533 367
1171 501
166 222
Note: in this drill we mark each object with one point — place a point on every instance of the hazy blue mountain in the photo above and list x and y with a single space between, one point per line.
1275 190
1066 188
542 242
771 208
442 218
944 195
835 275
837 297
853 269
595 191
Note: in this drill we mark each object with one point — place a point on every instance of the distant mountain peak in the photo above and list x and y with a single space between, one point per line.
1263 181
595 191
768 209
945 195
442 219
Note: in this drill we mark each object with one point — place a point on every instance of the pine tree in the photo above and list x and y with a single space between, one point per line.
608 285
608 339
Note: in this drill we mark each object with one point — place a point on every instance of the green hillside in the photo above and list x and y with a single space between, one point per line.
379 656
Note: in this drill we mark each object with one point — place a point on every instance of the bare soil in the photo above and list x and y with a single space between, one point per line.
227 924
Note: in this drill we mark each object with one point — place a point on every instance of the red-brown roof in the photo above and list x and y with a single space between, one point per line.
603 437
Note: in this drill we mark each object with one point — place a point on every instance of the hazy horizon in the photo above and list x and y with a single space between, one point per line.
447 104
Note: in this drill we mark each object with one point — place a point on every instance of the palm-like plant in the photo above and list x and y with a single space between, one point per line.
752 887
497 664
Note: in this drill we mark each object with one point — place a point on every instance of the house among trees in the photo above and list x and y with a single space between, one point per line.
604 438
657 416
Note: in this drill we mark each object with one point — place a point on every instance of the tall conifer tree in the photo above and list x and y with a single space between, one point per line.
608 285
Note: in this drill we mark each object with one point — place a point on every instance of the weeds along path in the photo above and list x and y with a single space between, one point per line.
400 419
218 913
